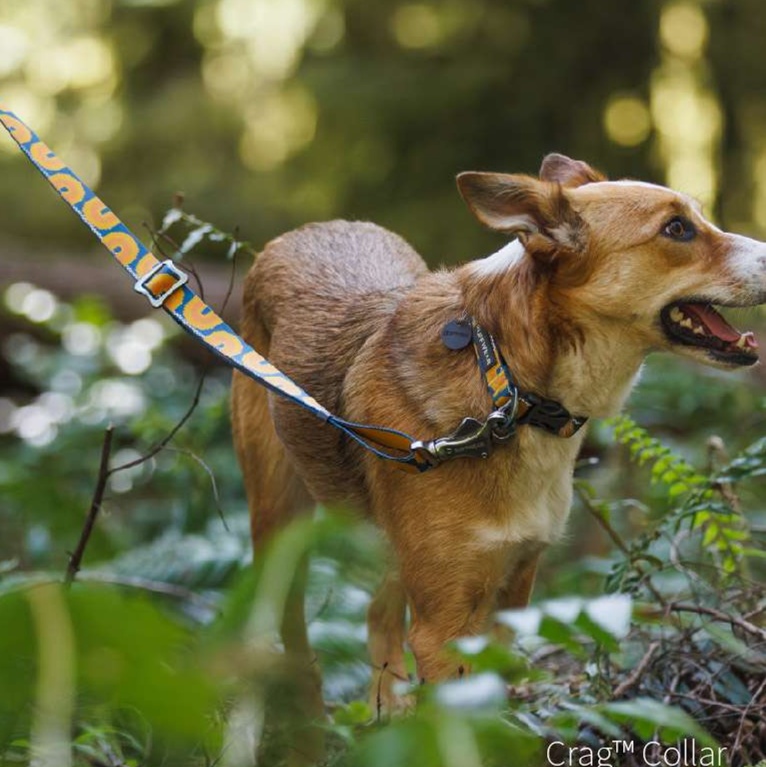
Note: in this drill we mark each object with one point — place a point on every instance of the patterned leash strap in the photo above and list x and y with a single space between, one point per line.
166 286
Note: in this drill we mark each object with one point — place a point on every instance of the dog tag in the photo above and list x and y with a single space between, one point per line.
457 334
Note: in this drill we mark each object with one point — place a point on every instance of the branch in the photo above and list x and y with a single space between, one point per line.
156 587
95 506
637 672
158 446
723 617
618 541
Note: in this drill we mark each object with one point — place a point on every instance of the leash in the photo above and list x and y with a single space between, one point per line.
165 286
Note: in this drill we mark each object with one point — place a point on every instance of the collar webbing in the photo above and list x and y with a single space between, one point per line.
530 408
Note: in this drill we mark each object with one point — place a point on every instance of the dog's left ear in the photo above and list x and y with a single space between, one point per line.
538 212
563 170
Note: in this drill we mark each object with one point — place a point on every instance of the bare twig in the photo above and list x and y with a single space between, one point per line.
637 672
75 559
158 446
233 251
104 473
723 617
156 587
743 719
211 477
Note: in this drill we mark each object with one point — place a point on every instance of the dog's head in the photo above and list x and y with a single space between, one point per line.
633 254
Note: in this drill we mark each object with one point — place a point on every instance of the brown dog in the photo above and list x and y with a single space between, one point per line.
602 273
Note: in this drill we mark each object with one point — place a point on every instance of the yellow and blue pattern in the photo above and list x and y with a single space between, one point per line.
165 285
183 304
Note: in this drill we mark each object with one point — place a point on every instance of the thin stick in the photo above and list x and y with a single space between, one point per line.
158 446
95 506
234 250
618 541
738 740
211 477
637 672
156 587
723 617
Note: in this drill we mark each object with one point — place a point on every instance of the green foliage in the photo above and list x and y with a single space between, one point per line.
702 504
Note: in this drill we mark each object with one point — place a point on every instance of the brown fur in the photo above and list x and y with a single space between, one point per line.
350 312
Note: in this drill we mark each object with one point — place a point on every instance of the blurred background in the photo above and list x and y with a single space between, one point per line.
270 113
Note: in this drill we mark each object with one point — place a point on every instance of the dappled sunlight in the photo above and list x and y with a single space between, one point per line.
272 32
277 126
83 63
684 109
627 120
49 51
417 25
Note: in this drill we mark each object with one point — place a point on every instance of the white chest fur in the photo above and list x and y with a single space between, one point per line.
534 493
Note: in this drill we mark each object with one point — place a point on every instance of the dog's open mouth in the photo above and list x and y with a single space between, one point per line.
696 323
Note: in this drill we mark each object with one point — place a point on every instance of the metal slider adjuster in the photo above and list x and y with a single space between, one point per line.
473 438
168 267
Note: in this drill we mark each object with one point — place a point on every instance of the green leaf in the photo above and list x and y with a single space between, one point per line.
612 613
354 713
646 716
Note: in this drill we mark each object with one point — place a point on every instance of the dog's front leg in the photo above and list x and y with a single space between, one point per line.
386 629
452 594
514 594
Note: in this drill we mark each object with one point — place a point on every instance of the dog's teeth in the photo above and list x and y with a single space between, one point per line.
687 323
699 330
676 314
747 341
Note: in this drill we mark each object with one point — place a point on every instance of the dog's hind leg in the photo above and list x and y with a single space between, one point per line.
386 633
276 495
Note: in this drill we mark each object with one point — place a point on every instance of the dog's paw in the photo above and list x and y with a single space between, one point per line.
389 695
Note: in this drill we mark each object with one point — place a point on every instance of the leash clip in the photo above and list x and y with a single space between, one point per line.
164 269
472 438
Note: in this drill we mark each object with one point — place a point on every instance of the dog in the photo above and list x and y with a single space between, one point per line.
599 274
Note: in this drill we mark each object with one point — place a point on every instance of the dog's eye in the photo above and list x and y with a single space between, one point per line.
679 228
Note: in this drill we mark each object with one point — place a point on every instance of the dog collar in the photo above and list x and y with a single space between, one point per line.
513 406
532 409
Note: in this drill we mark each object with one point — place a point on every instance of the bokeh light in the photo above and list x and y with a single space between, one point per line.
627 121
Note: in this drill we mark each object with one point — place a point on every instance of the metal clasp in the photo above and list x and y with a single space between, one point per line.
473 438
157 300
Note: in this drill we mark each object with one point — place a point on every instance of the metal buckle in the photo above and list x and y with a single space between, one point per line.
181 278
503 420
471 439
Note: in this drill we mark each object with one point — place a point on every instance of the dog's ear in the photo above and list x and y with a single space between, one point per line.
537 211
563 170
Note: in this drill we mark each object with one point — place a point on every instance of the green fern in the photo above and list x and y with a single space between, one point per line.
705 503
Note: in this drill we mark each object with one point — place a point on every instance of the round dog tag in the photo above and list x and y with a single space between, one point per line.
456 334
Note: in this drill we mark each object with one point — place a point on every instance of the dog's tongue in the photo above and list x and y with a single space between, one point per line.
712 321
